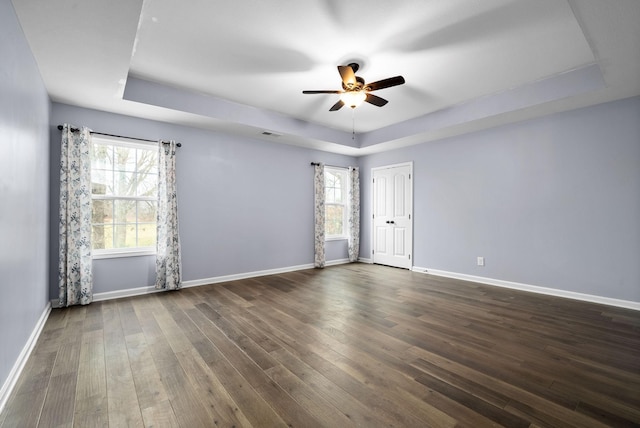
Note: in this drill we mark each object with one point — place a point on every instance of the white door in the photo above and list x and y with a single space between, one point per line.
392 222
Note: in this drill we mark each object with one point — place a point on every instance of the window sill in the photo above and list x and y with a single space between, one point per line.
124 253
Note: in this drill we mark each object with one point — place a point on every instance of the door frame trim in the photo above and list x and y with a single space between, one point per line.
411 191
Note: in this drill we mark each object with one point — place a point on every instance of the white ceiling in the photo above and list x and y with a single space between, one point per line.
240 66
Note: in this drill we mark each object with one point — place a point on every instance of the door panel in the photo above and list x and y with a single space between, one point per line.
381 241
399 242
381 189
399 200
392 205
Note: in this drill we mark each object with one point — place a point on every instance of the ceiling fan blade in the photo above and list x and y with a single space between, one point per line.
347 74
337 106
375 100
385 83
321 92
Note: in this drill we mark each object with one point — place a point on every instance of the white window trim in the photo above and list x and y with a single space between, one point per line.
112 253
123 252
344 235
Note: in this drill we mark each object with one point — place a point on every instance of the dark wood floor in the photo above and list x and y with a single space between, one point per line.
351 345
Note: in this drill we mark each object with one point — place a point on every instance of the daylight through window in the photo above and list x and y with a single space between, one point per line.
335 203
124 188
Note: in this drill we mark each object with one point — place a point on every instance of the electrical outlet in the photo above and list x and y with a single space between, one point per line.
480 261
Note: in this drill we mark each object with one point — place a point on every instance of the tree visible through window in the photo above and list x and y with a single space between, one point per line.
335 202
124 188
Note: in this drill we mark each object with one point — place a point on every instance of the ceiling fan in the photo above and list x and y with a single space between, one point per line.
355 90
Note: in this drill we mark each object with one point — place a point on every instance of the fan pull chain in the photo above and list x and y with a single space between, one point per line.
353 124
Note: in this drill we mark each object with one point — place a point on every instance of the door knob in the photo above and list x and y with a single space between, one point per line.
391 222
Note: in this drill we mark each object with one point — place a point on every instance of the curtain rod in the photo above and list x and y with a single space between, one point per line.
330 166
60 127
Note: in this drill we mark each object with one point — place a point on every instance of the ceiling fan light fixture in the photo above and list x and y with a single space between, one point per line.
353 98
355 91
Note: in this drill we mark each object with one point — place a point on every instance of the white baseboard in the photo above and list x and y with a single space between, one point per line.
533 288
17 368
235 277
117 294
246 275
365 260
337 262
109 295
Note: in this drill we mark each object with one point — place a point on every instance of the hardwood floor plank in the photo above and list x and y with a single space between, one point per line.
123 406
315 405
58 407
261 339
500 366
160 415
354 410
91 420
471 401
349 345
549 417
91 407
68 357
148 382
164 339
49 340
184 399
277 398
211 393
57 319
157 344
384 409
251 403
128 318
409 395
623 389
253 350
610 416
172 332
522 400
25 404
93 318
614 407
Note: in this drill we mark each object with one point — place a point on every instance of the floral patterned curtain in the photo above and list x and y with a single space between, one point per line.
168 260
318 182
354 214
75 280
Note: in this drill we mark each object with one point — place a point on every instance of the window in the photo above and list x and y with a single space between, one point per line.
124 193
336 198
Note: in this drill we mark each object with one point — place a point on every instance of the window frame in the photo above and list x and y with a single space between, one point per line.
344 172
108 253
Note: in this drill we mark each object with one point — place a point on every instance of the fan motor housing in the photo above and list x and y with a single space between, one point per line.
358 86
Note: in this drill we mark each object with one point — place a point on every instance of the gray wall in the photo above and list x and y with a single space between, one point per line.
24 194
551 202
245 205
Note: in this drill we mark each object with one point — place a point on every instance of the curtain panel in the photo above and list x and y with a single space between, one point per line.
75 281
168 257
354 214
319 215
